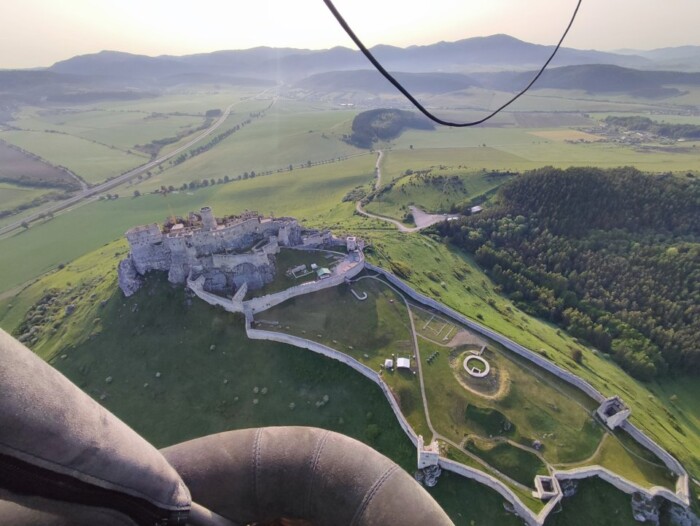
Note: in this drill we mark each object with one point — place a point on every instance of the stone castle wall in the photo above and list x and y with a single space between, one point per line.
204 250
680 497
682 483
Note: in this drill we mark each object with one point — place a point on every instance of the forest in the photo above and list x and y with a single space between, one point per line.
371 126
612 256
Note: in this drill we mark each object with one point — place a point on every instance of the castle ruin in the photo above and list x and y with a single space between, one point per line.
230 253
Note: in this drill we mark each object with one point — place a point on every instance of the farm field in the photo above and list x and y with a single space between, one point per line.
18 167
12 196
121 129
288 133
91 161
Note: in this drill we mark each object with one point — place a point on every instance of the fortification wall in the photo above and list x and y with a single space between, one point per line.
682 487
230 261
682 484
265 302
506 342
197 286
619 482
484 478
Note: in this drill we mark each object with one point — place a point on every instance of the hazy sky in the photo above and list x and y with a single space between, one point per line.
41 32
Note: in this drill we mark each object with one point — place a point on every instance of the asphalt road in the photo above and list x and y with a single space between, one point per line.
112 183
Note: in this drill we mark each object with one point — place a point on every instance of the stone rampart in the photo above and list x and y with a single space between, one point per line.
484 478
682 484
265 302
257 334
230 261
506 342
619 482
197 286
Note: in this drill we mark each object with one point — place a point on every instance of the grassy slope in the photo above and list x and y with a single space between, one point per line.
209 373
594 494
474 295
411 190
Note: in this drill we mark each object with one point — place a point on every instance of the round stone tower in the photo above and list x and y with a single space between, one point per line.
208 221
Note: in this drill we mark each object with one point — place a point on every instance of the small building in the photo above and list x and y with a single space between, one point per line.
178 227
476 209
314 266
388 364
428 455
323 273
403 363
546 487
613 412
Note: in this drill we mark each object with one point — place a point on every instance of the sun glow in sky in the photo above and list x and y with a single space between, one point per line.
40 32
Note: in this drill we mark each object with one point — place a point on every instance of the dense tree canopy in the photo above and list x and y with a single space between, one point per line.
384 125
613 256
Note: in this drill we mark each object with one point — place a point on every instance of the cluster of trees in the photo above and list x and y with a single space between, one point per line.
613 256
209 145
663 129
371 126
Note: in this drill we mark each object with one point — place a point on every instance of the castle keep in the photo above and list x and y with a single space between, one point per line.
228 253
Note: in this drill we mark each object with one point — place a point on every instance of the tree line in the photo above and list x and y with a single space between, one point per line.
613 256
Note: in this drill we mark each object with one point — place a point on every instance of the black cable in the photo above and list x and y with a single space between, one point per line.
413 100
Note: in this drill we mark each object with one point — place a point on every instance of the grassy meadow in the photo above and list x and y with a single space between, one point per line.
12 195
93 162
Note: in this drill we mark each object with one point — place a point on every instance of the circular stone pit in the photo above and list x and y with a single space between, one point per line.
473 371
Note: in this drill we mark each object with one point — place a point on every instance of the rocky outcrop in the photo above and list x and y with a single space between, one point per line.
129 279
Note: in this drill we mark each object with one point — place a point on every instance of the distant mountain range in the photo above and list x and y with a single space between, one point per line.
495 62
499 52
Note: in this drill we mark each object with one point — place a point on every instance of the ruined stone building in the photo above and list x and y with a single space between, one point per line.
229 252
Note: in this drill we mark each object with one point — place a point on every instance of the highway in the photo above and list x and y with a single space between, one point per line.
112 183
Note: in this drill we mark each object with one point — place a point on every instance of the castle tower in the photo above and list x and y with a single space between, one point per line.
208 221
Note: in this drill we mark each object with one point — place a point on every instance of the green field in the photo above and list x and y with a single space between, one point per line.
435 192
289 133
91 161
12 196
121 129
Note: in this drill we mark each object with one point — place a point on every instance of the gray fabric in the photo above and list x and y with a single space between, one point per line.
49 422
23 510
305 473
